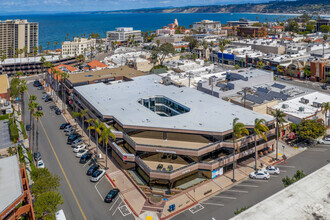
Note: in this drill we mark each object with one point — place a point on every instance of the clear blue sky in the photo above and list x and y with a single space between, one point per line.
12 6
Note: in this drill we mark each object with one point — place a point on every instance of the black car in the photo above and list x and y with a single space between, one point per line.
111 195
39 108
28 127
48 99
36 83
86 157
64 125
37 156
73 138
92 169
58 111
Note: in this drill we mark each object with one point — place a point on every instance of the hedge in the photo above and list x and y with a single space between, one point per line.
4 117
13 130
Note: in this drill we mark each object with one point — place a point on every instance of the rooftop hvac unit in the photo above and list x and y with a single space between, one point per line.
285 106
301 109
317 104
303 100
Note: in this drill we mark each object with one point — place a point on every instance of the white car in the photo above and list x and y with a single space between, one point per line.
81 152
79 147
41 164
272 170
324 141
260 174
97 175
77 143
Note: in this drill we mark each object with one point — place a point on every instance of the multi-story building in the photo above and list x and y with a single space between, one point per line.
320 22
123 34
251 31
162 133
320 70
207 26
78 46
16 35
241 22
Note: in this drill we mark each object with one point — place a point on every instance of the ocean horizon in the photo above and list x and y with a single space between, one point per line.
55 27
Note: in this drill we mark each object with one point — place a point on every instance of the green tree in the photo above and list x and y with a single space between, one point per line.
307 71
325 110
222 46
44 181
97 128
80 115
238 130
32 107
310 129
293 127
260 65
325 28
236 66
46 205
163 51
105 136
296 177
193 43
310 28
260 128
37 115
279 122
89 121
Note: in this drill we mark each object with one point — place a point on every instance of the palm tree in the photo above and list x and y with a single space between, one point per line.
64 76
81 114
325 38
89 121
22 89
259 130
325 109
97 128
32 107
106 133
238 130
37 115
222 45
279 121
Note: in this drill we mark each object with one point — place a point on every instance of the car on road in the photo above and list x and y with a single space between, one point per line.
260 174
48 99
68 127
58 111
272 170
86 157
77 142
81 152
92 169
37 156
28 127
324 87
64 125
41 164
44 96
72 138
97 175
324 141
111 195
79 147
39 108
37 83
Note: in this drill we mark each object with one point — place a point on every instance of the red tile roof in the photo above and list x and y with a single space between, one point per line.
95 63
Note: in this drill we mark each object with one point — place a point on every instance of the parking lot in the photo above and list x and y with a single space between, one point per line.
81 196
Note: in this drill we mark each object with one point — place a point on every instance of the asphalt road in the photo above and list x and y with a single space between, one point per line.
307 84
82 198
249 192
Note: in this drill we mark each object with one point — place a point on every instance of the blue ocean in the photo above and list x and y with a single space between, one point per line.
55 27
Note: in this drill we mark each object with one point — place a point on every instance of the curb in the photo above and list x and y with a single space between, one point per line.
279 161
174 213
111 180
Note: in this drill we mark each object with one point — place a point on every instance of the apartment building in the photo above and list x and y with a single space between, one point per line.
78 46
322 21
18 35
207 26
123 34
162 133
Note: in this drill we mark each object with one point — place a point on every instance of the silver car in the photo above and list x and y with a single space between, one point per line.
97 175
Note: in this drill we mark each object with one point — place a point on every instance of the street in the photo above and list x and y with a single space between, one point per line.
82 198
249 192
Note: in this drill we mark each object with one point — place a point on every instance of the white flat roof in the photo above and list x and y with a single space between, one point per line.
10 181
298 201
33 59
207 113
293 105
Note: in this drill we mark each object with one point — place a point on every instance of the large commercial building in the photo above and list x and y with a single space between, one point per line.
170 136
322 21
18 35
78 46
123 34
207 26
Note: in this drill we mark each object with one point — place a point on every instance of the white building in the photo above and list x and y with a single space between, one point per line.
78 46
207 25
122 34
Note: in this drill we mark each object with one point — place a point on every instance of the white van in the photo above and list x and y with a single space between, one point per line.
60 215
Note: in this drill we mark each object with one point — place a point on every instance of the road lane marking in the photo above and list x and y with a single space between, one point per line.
286 166
317 150
98 190
255 180
124 210
117 208
239 191
196 208
246 185
114 203
208 203
225 197
64 174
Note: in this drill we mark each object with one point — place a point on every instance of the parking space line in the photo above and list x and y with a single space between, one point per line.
198 206
317 150
246 185
239 191
129 212
225 197
97 189
117 208
114 203
255 180
208 203
286 166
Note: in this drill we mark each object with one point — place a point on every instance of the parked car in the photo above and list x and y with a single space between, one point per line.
44 96
39 108
70 131
67 128
40 88
81 152
324 141
111 195
92 169
36 83
37 156
73 137
48 99
77 142
79 147
64 125
41 164
260 174
97 175
58 111
28 127
86 157
272 170
324 87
